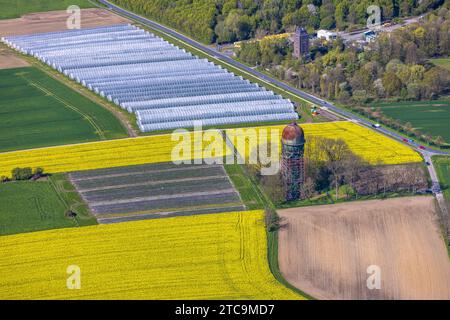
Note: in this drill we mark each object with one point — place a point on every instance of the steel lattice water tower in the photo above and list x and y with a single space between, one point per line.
292 162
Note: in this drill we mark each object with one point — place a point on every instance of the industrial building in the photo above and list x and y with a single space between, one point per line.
326 34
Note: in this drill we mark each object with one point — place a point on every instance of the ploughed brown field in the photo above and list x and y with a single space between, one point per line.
326 250
57 21
9 60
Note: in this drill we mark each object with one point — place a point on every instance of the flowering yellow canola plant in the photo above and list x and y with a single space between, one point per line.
105 154
214 256
373 147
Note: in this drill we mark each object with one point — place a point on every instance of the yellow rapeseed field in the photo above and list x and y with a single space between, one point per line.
368 144
217 256
106 154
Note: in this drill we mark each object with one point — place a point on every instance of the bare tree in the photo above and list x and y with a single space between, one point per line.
336 152
353 166
308 188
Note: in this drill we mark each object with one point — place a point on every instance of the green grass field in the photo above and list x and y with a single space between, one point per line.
428 116
250 194
28 206
442 165
442 62
37 110
17 8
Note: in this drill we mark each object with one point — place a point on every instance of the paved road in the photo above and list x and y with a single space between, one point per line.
358 35
307 96
426 152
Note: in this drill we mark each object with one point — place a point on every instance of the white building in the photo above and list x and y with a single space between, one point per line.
327 35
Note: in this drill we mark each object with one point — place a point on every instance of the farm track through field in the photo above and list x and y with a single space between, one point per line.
59 189
91 121
118 114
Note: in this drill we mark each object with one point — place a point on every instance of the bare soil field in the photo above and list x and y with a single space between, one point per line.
9 60
56 21
326 250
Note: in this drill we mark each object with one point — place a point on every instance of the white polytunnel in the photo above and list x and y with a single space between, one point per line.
165 86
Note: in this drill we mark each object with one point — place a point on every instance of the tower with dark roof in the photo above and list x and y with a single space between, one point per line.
292 161
301 43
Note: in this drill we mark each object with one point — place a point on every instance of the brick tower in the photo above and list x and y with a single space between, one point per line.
292 162
301 43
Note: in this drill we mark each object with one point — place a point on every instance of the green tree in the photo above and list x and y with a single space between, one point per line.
391 83
21 173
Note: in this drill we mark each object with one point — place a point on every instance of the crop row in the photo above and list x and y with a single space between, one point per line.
370 145
216 256
164 203
156 177
373 147
153 189
106 154
160 189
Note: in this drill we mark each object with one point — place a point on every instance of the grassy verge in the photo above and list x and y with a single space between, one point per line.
250 195
325 199
442 166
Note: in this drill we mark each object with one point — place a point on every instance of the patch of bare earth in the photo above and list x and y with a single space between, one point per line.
326 250
9 60
57 21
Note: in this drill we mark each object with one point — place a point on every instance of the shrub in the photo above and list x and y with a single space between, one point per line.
21 173
38 171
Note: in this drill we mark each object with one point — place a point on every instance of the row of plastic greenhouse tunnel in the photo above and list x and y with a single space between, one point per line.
165 86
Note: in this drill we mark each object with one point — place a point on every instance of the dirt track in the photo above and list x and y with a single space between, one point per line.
56 21
325 250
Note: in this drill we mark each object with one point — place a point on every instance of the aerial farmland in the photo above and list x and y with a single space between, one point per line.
134 165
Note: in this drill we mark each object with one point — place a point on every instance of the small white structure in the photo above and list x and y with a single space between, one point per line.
327 35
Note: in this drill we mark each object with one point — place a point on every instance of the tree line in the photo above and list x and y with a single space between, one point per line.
224 21
395 66
332 168
23 174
